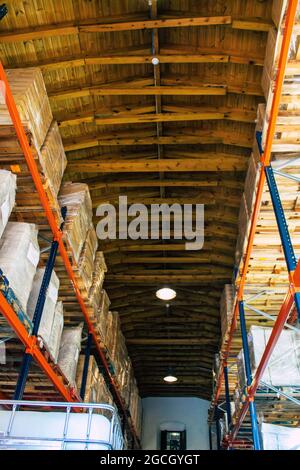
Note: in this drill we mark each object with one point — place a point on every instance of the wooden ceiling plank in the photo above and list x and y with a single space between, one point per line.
65 29
208 90
218 163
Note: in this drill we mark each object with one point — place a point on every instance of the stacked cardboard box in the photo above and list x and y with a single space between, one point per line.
96 389
250 188
76 197
30 95
98 298
86 262
43 135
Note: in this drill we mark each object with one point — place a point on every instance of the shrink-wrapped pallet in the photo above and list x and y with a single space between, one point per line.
69 350
53 159
275 437
226 308
283 368
7 196
56 331
99 270
19 257
47 318
87 258
30 95
76 197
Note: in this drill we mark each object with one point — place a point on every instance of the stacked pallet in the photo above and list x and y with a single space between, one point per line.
42 132
226 310
96 390
249 194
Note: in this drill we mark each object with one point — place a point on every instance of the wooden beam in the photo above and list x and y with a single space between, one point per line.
157 23
183 137
150 184
204 259
168 341
253 24
147 201
66 29
127 58
177 279
141 91
205 114
217 162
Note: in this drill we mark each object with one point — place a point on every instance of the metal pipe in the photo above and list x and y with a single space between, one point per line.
210 437
286 175
281 392
266 315
227 394
218 430
86 365
253 415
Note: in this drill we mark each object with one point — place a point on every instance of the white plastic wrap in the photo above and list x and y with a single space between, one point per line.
283 368
276 437
56 331
7 196
69 352
49 307
19 257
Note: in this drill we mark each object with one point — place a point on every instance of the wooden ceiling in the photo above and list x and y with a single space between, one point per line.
180 131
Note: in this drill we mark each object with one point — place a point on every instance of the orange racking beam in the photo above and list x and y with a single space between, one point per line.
32 347
57 234
266 157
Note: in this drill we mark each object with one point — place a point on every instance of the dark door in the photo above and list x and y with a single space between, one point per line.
173 440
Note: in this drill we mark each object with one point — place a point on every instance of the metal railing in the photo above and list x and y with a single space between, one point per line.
10 437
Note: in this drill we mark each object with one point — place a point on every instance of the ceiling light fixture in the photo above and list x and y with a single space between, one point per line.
155 60
166 293
170 377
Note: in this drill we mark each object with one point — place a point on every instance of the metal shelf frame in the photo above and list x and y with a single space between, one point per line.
30 342
292 298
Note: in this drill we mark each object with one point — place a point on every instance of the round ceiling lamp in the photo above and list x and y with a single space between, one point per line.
166 293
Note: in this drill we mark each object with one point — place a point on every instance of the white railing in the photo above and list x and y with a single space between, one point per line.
47 425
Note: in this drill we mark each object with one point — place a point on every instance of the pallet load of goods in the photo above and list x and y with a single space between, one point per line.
23 231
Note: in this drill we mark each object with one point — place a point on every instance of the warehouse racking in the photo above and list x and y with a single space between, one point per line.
30 341
290 308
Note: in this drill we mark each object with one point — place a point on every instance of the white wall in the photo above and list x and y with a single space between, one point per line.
190 411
